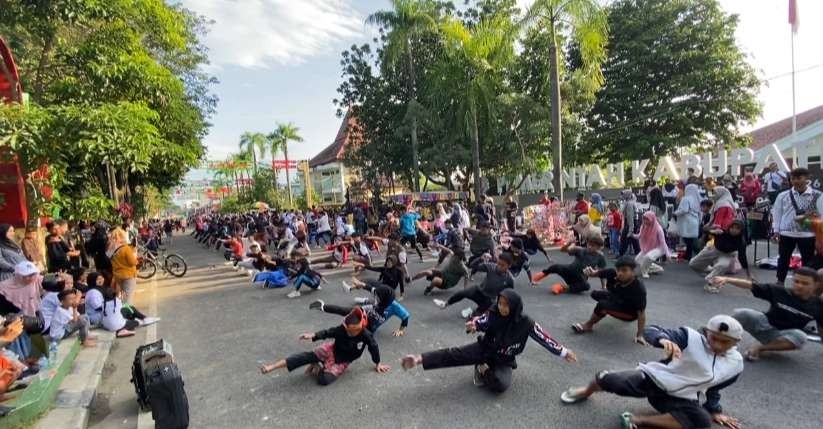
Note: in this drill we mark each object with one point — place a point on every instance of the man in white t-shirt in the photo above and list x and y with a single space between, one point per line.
66 320
323 228
775 181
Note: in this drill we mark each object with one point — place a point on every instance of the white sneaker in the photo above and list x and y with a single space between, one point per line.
228 263
319 288
361 300
346 286
149 321
467 312
645 275
439 302
293 294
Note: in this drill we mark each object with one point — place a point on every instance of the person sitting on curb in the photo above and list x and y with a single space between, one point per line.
66 320
791 309
728 245
573 274
698 364
623 297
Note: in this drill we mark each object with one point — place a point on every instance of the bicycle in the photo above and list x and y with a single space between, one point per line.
148 263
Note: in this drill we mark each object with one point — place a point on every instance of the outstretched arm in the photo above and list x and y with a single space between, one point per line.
543 338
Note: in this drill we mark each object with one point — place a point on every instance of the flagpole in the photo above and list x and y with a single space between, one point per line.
794 110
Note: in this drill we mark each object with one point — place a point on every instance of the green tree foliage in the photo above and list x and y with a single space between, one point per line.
674 78
118 95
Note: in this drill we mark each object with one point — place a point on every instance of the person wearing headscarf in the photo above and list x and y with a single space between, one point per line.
629 213
688 218
723 209
750 189
381 307
586 229
506 329
10 252
597 210
652 245
657 204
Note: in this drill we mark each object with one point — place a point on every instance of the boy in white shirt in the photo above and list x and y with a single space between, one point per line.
66 320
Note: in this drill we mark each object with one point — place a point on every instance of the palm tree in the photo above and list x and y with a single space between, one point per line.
474 60
588 25
282 135
407 20
252 143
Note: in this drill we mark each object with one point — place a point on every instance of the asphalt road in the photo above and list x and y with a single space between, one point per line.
222 329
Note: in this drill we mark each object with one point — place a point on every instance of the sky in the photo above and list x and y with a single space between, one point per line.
279 61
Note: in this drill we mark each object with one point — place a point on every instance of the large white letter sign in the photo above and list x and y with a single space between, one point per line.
690 161
638 170
709 164
767 155
569 178
666 168
596 176
615 175
740 157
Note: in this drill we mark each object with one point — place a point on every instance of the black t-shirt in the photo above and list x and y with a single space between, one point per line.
788 311
511 210
348 349
632 296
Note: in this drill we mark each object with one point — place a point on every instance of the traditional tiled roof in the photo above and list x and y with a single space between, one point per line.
781 129
335 151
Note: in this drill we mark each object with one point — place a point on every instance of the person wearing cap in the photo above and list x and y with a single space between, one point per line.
781 327
697 364
728 246
623 297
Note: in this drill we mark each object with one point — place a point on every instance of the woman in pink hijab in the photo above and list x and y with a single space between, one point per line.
652 245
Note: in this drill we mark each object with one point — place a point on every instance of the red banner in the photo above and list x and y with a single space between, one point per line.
282 164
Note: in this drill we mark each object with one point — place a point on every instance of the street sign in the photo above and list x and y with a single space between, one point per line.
282 164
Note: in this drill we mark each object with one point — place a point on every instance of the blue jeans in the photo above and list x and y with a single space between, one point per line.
305 279
614 240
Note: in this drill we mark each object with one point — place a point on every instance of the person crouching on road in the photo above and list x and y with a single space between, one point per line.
330 360
506 329
698 364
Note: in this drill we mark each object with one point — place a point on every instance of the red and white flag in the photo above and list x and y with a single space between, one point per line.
793 15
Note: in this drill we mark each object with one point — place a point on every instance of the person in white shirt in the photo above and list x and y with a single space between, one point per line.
774 180
94 298
323 228
791 216
66 320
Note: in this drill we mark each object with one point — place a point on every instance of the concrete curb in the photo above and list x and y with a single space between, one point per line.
70 408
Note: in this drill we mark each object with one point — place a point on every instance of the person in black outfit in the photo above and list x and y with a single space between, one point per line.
330 360
391 275
511 214
624 297
96 247
57 250
505 333
531 244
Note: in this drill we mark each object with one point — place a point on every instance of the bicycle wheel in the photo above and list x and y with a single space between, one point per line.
176 265
146 269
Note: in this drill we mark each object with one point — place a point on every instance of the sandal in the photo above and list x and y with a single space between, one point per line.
578 329
569 397
626 421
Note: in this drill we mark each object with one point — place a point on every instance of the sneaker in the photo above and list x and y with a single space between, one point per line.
439 302
361 300
149 321
319 288
645 275
428 291
228 263
711 288
466 312
293 294
346 286
317 305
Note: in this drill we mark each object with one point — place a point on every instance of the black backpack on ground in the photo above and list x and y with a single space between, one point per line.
159 386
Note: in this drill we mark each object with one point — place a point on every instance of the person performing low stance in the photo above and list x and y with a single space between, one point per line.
378 310
698 365
329 361
506 329
497 279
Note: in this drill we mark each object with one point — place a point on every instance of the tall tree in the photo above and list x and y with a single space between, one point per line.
407 20
586 22
284 134
675 78
471 76
254 143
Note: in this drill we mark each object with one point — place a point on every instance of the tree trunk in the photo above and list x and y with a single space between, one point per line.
288 176
557 149
42 65
413 95
478 186
254 160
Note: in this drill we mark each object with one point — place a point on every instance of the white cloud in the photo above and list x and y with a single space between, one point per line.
262 33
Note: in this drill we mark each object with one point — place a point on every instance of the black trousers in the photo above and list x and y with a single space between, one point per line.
412 240
571 275
785 249
305 358
497 378
635 384
627 240
474 294
607 305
